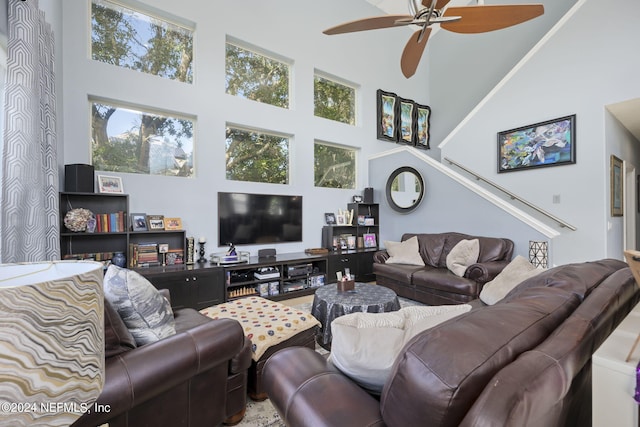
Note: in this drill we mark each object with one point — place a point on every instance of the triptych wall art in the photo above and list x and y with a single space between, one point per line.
402 120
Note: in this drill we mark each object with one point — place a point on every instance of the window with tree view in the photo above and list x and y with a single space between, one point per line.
131 39
257 157
334 166
257 77
334 101
126 140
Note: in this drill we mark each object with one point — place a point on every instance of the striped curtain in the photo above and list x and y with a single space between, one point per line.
29 223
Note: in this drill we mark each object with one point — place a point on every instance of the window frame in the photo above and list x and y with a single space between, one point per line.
151 13
230 40
343 82
271 133
142 109
356 162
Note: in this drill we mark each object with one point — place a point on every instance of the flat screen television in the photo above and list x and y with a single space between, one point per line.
245 218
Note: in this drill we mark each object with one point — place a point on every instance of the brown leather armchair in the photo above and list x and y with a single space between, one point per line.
197 377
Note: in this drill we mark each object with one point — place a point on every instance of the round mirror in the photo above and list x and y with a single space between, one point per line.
405 189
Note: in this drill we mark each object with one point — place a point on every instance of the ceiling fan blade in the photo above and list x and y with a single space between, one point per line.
439 3
374 23
484 18
413 52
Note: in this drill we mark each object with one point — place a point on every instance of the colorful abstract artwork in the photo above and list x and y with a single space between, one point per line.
549 143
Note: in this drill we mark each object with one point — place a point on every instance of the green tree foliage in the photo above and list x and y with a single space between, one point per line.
334 167
128 39
334 101
256 77
256 157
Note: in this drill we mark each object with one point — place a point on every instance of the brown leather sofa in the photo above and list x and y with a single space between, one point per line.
524 361
434 284
197 377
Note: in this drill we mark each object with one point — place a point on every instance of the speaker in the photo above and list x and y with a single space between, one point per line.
267 253
367 195
78 178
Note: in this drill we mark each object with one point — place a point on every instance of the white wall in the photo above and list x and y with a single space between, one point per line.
589 62
290 28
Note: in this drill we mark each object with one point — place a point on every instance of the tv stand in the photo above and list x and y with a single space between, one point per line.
283 276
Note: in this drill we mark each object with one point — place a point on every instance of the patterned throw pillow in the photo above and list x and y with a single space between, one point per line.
146 313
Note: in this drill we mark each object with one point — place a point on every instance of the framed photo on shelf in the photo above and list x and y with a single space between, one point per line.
110 184
387 114
616 187
423 118
370 240
139 222
173 223
330 218
155 222
406 127
341 220
550 143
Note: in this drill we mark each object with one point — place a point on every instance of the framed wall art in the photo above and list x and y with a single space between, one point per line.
549 143
423 117
387 112
406 129
616 186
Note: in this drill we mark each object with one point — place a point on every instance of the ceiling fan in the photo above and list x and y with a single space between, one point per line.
478 18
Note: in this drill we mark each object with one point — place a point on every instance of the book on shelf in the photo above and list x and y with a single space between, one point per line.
110 222
143 254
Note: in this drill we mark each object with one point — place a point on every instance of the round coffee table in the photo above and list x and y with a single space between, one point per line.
329 303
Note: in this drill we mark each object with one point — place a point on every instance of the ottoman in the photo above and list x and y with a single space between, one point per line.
271 326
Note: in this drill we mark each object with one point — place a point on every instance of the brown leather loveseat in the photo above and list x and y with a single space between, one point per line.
197 377
433 283
524 361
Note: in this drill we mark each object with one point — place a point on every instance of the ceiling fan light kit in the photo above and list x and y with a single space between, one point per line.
474 19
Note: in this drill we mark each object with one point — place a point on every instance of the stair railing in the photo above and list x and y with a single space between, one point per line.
513 196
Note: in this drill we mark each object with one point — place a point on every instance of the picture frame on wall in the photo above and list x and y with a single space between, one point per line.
387 116
406 129
423 122
617 197
548 143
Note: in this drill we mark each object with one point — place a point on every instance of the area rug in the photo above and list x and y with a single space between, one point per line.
263 414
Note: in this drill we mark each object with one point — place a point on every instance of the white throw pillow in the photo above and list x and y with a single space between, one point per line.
365 345
406 252
421 318
462 255
145 312
511 276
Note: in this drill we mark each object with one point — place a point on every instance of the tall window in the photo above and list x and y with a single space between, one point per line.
333 100
334 166
131 39
256 76
256 156
134 141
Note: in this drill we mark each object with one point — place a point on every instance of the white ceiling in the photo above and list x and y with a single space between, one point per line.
627 112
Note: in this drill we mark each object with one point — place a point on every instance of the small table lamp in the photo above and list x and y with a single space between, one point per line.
51 341
539 253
